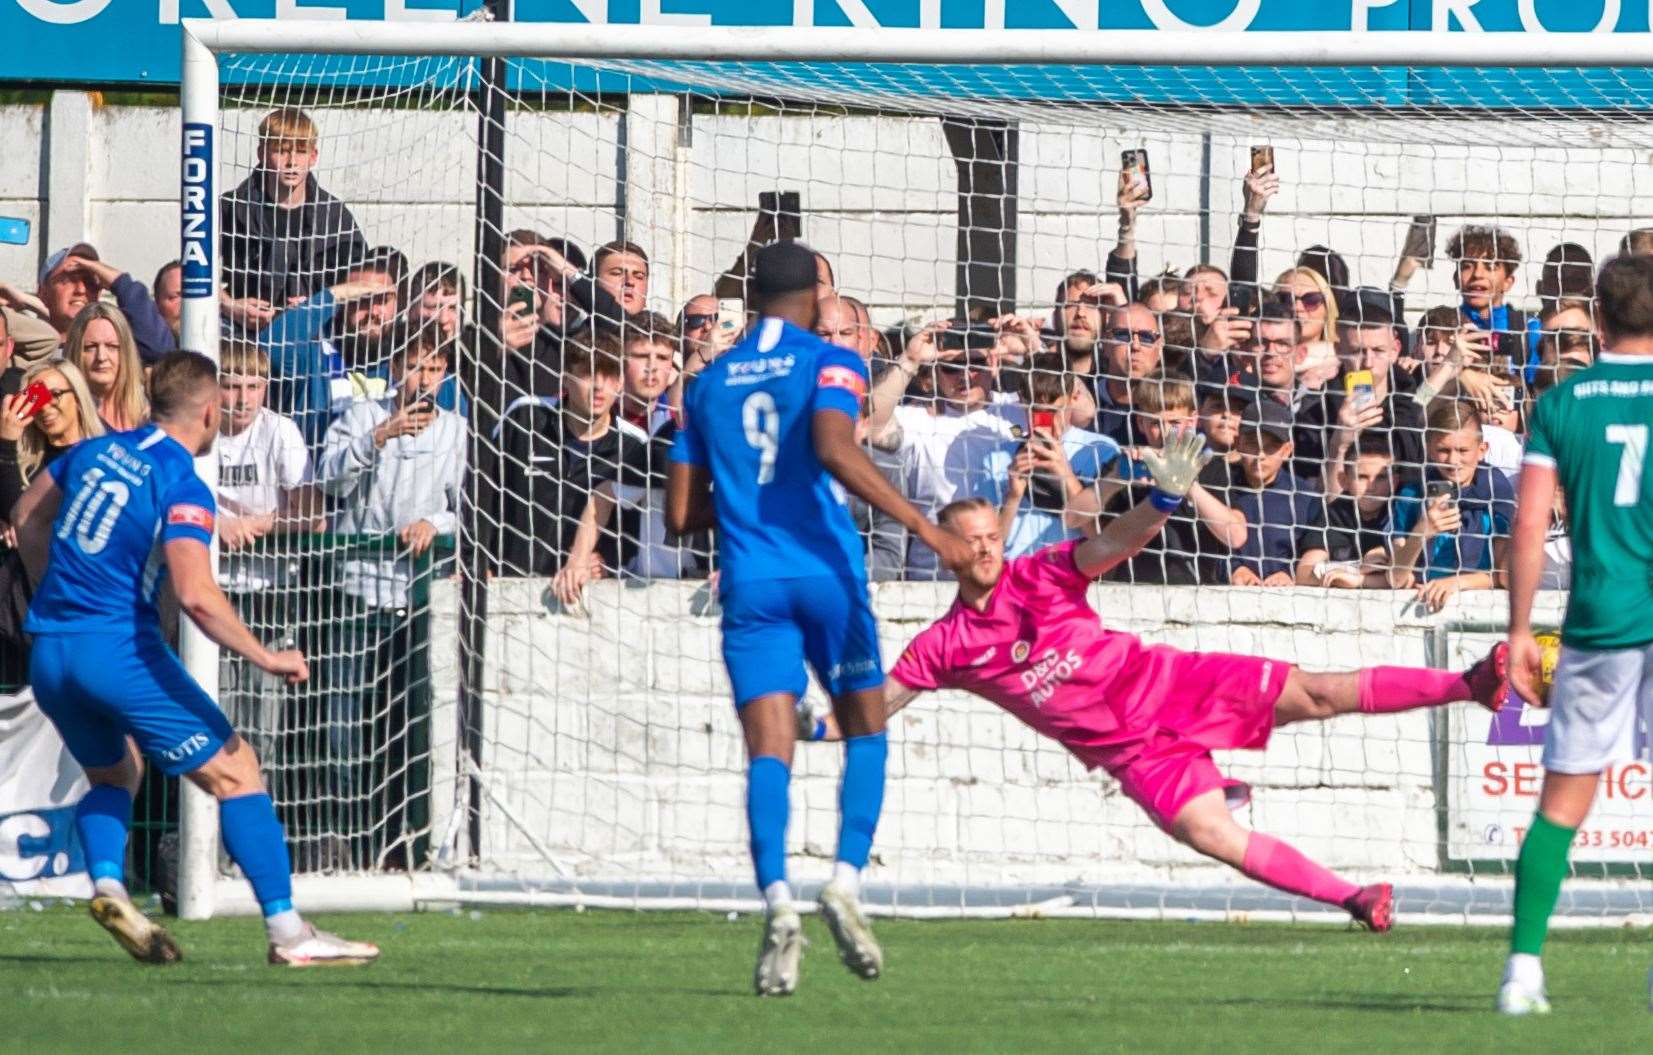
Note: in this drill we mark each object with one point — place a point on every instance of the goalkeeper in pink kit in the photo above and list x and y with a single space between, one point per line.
1022 635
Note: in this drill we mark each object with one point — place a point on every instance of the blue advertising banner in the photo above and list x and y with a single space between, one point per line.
136 41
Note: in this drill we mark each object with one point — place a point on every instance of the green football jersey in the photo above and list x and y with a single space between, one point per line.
1593 427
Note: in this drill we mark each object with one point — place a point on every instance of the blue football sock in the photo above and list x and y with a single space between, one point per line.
861 796
255 841
768 808
102 819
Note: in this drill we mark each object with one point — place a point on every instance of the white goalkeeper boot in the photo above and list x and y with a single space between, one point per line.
778 955
1523 990
856 946
317 948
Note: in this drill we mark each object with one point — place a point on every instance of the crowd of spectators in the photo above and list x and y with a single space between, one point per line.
1361 443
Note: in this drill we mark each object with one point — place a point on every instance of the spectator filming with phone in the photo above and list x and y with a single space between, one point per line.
1452 532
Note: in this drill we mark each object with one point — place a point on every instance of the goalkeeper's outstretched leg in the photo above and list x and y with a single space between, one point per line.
1206 824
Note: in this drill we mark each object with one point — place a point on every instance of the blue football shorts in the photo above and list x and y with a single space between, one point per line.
771 627
100 688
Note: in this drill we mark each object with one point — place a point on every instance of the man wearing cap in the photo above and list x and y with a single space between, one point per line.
1368 340
74 277
1278 507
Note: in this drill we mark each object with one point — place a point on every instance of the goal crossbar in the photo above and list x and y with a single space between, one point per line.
1133 47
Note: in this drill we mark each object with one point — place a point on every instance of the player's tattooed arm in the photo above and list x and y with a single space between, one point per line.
32 519
1525 563
1175 469
189 567
897 696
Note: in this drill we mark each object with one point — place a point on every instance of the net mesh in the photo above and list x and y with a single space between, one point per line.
537 697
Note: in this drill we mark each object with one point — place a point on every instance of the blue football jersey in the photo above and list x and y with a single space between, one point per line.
747 419
124 496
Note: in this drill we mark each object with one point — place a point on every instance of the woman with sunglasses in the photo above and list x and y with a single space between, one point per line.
1311 302
32 438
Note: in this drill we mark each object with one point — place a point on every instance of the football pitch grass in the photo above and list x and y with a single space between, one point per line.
498 981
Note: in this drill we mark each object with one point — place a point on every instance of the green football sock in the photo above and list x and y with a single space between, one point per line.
1538 875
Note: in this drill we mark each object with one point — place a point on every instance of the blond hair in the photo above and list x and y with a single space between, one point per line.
1157 395
244 359
31 446
288 125
1319 282
126 403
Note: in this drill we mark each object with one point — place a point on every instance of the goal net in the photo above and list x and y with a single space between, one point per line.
484 724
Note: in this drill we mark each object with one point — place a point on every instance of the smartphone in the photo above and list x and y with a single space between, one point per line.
522 294
424 404
1357 385
35 398
789 223
731 315
1420 241
1440 489
1262 160
1135 163
1043 419
971 336
14 230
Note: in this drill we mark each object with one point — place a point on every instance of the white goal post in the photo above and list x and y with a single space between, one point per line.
603 764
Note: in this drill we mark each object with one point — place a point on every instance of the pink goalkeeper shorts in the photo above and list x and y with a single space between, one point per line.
1208 701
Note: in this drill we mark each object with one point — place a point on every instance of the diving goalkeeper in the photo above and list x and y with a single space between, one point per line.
1022 635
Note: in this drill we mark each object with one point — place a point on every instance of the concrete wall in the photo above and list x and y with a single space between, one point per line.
611 742
878 191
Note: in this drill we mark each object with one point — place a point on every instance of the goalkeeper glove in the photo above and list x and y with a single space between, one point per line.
1176 467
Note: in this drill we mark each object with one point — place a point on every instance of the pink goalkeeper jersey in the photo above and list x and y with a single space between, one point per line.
1040 652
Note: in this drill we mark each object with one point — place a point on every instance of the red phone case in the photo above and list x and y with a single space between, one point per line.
35 398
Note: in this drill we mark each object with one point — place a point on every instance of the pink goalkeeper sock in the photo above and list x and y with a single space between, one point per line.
1268 860
1384 690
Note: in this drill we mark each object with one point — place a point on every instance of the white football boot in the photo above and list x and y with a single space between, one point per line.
1522 993
317 948
856 946
778 955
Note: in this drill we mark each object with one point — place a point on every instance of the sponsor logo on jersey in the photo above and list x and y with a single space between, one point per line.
1019 651
1041 680
190 516
981 660
841 377
751 371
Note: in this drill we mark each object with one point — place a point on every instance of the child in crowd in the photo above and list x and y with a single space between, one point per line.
1279 508
1355 522
1453 534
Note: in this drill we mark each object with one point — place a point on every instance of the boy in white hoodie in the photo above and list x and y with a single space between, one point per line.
395 466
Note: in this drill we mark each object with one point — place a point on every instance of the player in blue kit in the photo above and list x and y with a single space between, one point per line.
104 524
765 453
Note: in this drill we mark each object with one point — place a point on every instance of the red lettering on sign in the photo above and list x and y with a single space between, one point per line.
1526 778
1639 770
1496 783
